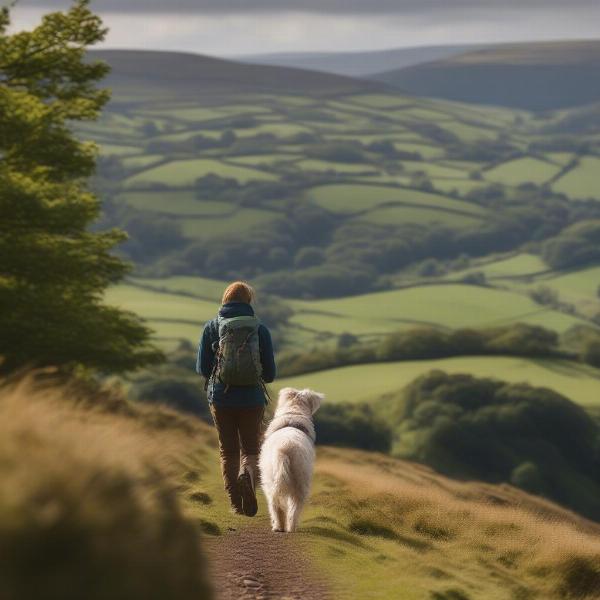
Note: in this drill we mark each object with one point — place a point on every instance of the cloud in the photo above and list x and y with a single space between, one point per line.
366 7
232 32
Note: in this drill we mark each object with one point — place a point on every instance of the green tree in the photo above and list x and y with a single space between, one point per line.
53 269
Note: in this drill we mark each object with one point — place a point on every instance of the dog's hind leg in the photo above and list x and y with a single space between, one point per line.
277 514
294 509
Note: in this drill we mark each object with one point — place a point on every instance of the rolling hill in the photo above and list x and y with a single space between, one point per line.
156 74
375 527
532 76
326 186
357 64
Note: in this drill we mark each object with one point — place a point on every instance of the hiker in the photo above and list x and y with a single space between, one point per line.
236 359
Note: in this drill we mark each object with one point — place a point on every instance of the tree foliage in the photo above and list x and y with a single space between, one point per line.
494 431
53 270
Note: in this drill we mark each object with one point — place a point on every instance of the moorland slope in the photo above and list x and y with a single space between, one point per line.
532 76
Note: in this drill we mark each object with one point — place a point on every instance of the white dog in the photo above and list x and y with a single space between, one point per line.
287 456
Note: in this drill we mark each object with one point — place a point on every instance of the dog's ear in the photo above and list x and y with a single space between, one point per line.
285 394
315 399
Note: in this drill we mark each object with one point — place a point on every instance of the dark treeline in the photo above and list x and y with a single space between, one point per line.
429 343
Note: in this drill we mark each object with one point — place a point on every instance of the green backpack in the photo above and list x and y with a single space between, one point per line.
238 355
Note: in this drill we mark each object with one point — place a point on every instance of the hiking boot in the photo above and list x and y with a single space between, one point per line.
246 487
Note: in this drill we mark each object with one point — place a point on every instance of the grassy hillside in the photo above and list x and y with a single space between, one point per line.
88 501
195 76
533 76
375 526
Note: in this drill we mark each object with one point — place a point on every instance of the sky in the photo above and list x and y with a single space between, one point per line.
242 27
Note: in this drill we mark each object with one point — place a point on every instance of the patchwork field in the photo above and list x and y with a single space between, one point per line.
377 161
450 305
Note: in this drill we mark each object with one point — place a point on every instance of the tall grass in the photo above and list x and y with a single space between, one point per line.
87 508
546 550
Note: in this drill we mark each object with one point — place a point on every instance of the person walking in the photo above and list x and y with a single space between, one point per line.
236 358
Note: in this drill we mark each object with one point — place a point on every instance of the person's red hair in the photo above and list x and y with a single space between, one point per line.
238 291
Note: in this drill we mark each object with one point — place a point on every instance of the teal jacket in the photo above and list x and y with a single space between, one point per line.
218 393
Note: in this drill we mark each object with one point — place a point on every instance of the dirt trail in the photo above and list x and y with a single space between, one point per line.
253 563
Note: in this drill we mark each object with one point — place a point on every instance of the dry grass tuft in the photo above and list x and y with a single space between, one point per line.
87 507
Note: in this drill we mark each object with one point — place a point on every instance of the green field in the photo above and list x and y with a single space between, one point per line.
351 199
522 170
379 190
173 317
367 382
519 266
583 181
202 228
182 173
450 305
176 203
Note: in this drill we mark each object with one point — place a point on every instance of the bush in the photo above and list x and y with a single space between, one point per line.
485 429
591 353
185 396
527 476
309 256
575 246
353 425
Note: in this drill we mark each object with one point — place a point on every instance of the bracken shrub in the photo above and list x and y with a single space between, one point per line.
86 507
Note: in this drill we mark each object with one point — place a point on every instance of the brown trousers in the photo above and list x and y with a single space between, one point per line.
240 437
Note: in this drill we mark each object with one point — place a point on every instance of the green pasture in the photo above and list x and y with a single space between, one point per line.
377 101
519 265
469 133
578 287
578 382
583 181
116 149
177 203
141 161
338 167
450 305
419 113
425 150
460 186
171 317
181 173
191 113
210 227
153 305
562 158
280 130
522 170
187 134
263 159
434 170
350 199
201 287
169 334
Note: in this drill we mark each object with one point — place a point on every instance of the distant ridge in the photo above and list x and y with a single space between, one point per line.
165 74
358 64
534 76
